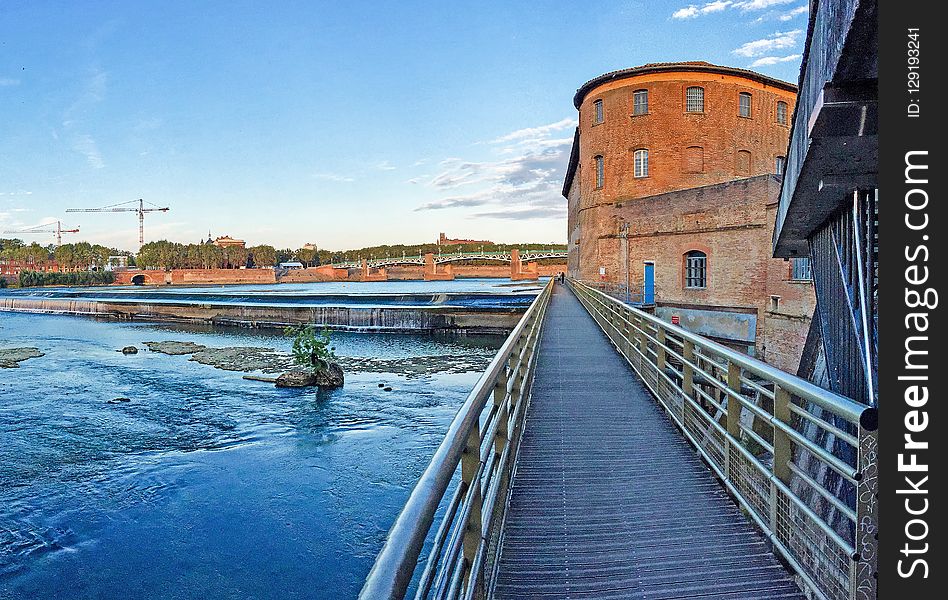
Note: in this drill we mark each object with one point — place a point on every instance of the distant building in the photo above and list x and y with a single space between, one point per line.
117 263
225 241
828 212
310 247
10 269
444 240
291 265
672 188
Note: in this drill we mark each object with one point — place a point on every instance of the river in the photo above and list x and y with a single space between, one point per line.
203 484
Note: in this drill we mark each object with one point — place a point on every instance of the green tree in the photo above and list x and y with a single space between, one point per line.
311 350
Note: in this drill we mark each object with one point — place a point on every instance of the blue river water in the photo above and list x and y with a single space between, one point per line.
206 485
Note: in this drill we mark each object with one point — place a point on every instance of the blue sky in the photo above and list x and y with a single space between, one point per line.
344 124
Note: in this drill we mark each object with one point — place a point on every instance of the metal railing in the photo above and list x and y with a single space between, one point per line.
799 459
481 444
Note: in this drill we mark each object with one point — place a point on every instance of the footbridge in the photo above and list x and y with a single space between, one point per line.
605 453
439 259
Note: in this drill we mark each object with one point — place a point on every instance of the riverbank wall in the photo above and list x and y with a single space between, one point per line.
408 319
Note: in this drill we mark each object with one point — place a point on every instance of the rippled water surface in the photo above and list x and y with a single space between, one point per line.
205 485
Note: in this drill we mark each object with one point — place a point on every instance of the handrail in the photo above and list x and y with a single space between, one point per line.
815 501
469 519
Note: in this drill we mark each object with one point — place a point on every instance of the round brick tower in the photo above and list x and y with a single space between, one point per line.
664 127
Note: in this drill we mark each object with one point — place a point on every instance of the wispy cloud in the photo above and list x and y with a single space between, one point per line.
796 12
8 82
534 133
773 60
693 11
524 181
85 144
748 5
333 177
781 40
385 166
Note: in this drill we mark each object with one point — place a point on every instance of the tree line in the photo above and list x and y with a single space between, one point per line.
172 255
70 278
81 256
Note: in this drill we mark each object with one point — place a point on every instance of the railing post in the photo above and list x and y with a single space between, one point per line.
502 407
660 359
687 379
470 465
733 412
782 444
864 577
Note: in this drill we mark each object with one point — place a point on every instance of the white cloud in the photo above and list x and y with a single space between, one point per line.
776 41
773 60
748 5
332 177
536 132
8 82
789 15
524 182
385 166
692 11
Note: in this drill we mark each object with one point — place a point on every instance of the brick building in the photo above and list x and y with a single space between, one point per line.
672 190
444 240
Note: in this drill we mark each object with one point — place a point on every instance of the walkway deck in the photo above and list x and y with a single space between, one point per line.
609 500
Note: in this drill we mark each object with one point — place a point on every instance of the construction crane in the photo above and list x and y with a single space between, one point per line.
59 231
123 207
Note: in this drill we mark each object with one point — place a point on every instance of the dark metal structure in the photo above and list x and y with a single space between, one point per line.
829 201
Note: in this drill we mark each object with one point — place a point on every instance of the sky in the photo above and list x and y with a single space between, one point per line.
344 124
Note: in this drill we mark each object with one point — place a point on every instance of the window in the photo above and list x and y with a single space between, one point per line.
600 172
640 163
693 160
640 102
694 99
743 162
780 164
598 105
782 113
744 100
800 270
696 269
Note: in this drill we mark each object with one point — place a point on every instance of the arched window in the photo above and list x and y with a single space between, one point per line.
693 160
782 113
694 99
744 104
743 162
640 163
640 102
600 172
696 269
780 165
599 114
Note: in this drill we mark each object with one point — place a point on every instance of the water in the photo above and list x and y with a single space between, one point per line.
206 485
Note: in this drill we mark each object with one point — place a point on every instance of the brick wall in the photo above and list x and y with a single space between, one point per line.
732 223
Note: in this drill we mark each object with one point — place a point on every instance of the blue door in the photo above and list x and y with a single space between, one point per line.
648 295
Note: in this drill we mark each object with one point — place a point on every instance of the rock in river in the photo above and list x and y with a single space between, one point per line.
296 378
10 358
331 377
175 348
129 350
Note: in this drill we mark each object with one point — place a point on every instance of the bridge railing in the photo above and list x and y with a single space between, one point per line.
477 454
799 459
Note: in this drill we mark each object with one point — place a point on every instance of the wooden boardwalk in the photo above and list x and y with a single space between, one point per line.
608 499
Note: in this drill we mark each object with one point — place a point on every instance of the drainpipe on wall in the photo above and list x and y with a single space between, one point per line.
624 236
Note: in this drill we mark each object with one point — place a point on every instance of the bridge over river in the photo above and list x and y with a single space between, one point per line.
447 258
608 454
